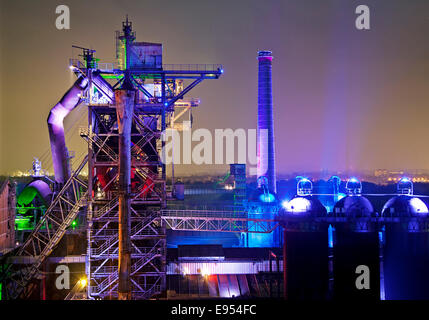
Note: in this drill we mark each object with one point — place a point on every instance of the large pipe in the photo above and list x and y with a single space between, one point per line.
124 109
60 155
266 153
31 190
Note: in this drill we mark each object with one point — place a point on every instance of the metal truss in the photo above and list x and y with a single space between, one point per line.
47 234
219 221
235 221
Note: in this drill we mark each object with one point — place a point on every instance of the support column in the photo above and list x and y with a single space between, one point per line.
271 275
89 222
124 110
284 265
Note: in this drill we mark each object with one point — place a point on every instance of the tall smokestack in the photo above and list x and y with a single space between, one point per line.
266 153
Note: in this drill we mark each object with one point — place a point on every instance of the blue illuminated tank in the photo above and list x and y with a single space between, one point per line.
262 204
406 246
304 204
405 204
355 243
306 245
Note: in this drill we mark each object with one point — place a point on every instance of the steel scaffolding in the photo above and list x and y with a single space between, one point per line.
153 114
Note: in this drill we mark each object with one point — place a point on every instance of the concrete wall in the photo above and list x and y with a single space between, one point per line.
7 216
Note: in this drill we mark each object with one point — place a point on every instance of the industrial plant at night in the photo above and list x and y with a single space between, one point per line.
125 225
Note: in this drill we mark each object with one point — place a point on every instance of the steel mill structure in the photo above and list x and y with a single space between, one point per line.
125 206
130 104
126 237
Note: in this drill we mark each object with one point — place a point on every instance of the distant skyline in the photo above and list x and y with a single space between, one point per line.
344 100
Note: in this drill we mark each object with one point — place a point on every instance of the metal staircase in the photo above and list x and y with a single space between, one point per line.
84 133
110 282
48 233
77 292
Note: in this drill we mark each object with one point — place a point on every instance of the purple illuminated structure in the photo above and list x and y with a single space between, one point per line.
266 152
60 154
124 110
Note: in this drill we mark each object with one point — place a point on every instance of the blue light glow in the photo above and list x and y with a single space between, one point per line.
380 236
354 186
298 205
267 197
304 187
405 186
418 205
285 204
330 236
340 196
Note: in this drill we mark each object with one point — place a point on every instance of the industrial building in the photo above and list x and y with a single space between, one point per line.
130 231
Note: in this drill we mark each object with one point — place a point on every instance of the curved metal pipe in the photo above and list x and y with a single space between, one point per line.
31 190
60 154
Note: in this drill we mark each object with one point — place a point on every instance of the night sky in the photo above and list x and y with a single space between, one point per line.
344 99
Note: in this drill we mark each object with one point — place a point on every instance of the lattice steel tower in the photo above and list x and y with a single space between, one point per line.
127 177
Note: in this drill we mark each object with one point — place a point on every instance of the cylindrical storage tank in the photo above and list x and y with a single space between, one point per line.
356 263
406 249
306 248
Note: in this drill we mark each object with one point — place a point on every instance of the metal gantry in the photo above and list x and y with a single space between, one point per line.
216 220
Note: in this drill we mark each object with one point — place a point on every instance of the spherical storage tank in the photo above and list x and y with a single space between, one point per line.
406 246
356 243
306 244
